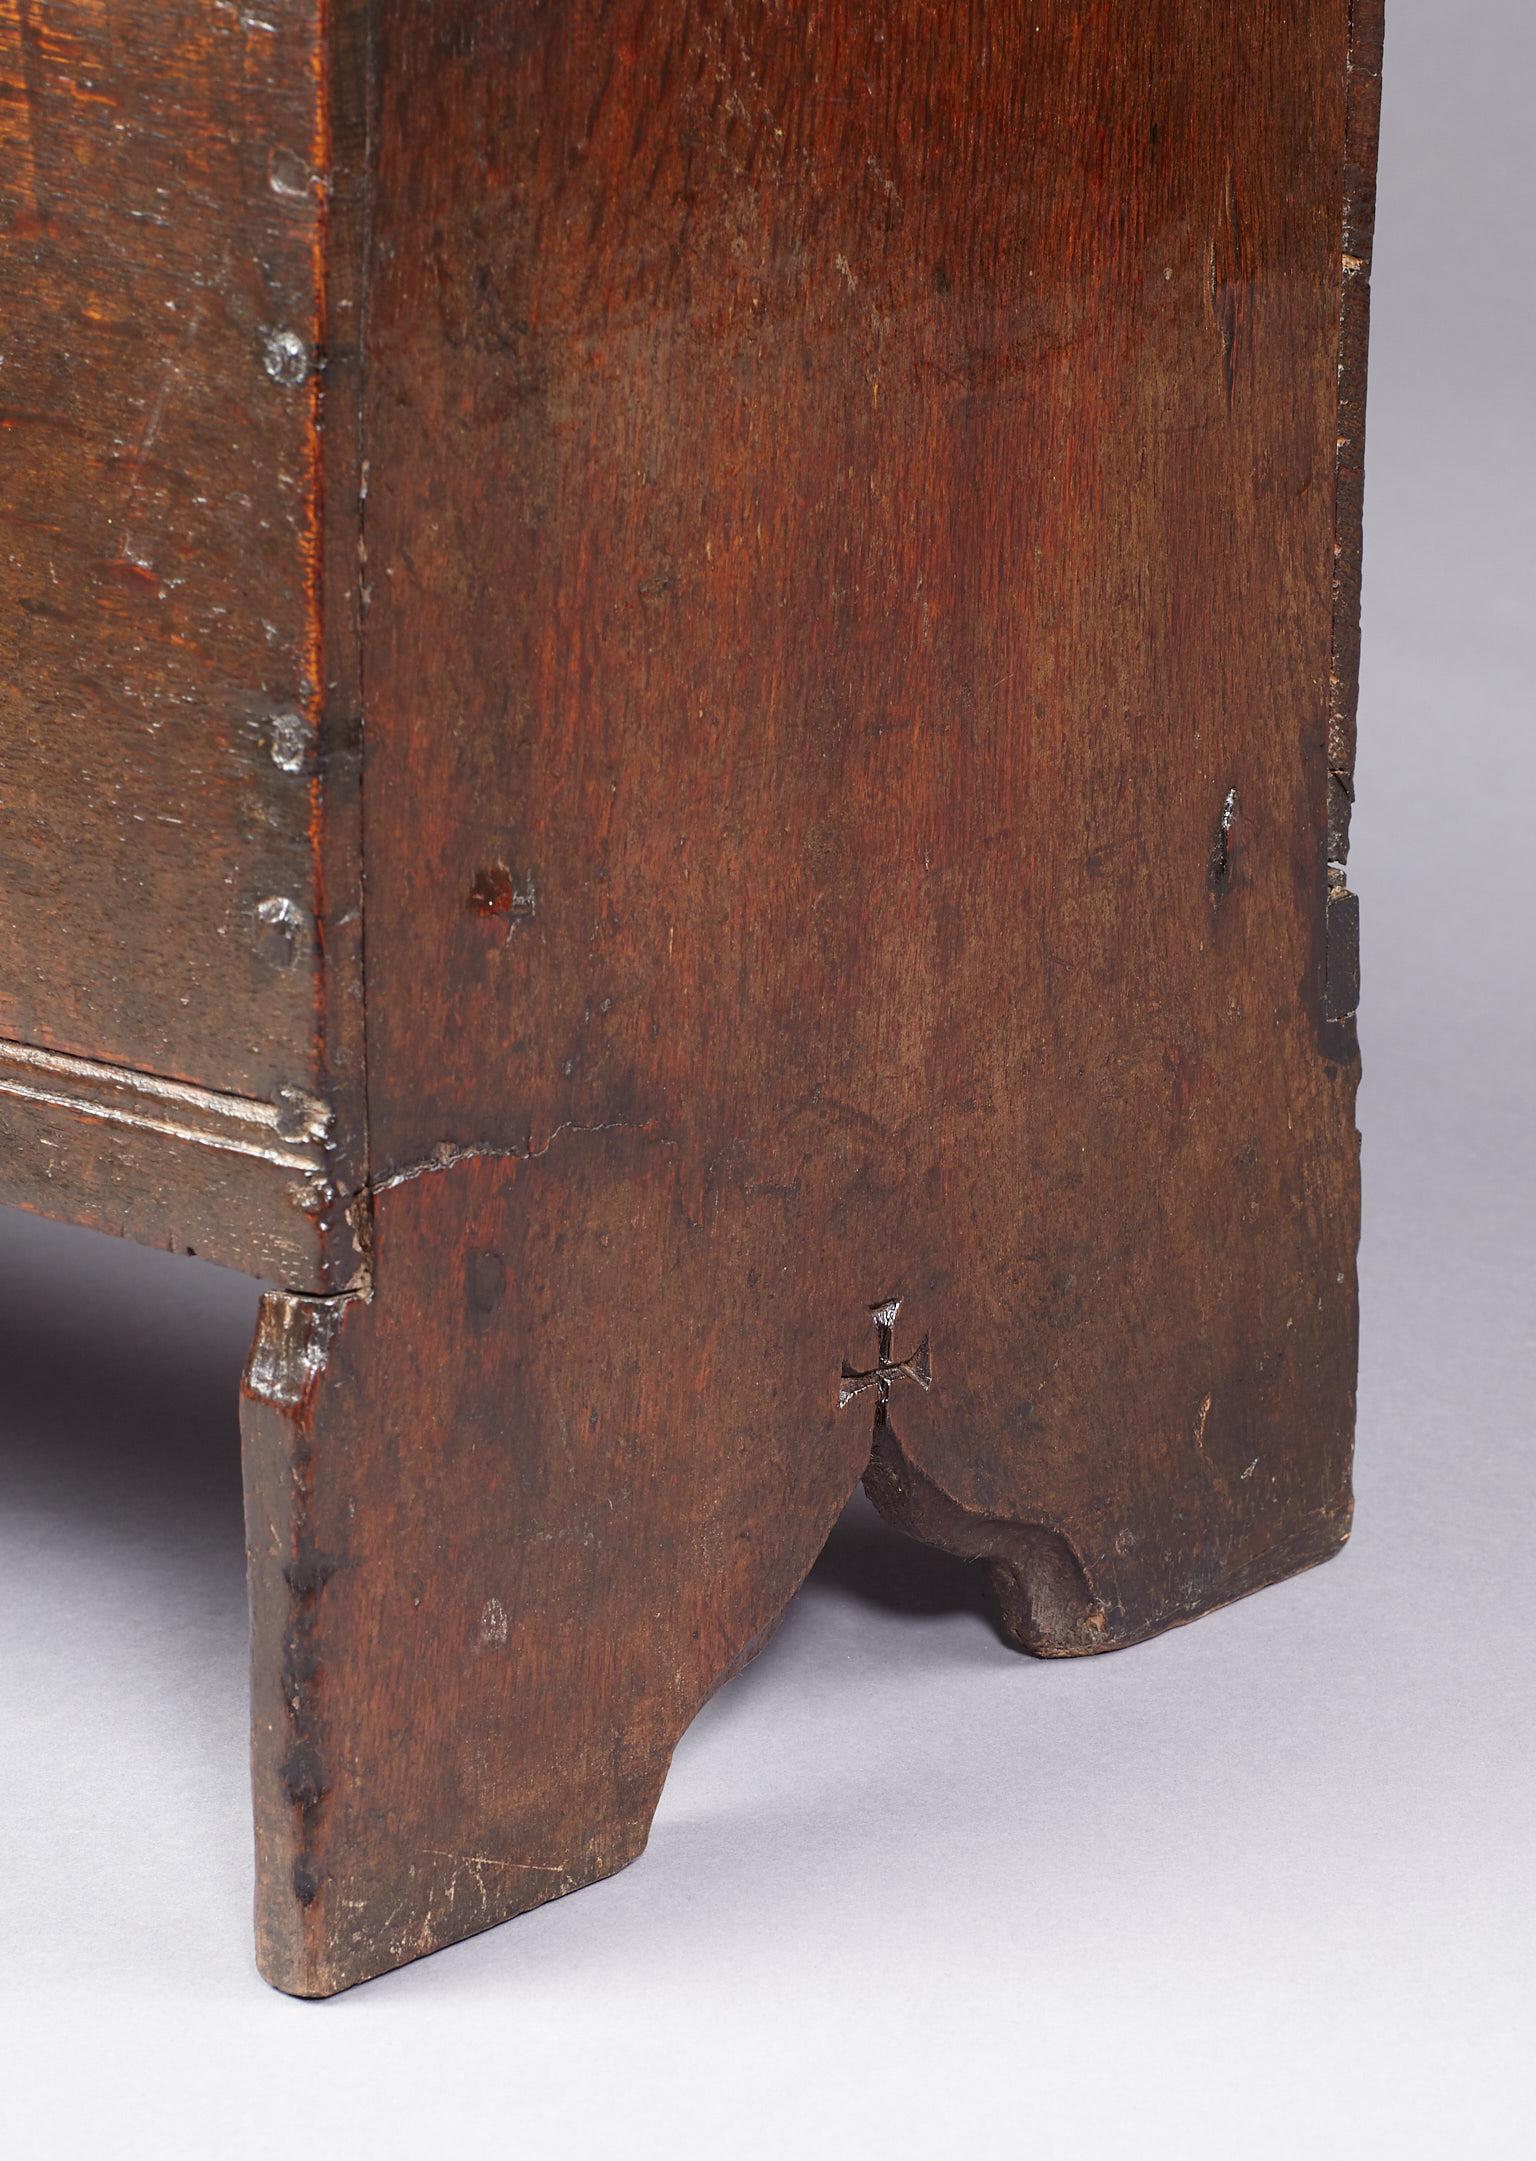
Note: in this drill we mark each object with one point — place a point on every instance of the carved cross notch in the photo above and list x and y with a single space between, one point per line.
887 1367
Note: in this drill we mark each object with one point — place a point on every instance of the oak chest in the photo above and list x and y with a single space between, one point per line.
675 743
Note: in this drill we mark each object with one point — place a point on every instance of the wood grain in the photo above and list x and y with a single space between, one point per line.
919 753
779 586
179 700
855 664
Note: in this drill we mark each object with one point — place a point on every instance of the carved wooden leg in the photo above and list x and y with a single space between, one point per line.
505 1536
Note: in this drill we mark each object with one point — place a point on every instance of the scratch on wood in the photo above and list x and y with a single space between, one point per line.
170 373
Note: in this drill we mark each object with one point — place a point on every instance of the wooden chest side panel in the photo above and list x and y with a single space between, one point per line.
857 612
855 705
851 545
164 717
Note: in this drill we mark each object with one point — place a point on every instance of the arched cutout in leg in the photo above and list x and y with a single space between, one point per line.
1045 1601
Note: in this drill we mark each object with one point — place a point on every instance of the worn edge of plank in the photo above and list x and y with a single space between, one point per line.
1362 128
284 1578
337 574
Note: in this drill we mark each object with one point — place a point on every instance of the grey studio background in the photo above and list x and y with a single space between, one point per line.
1264 1887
